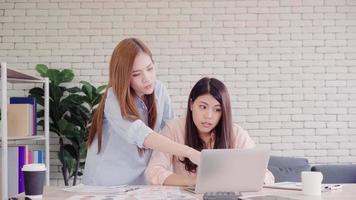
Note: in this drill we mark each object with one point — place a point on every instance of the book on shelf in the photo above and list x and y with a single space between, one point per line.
38 156
19 120
22 162
31 101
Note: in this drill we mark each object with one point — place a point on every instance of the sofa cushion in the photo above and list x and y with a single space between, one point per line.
337 173
287 168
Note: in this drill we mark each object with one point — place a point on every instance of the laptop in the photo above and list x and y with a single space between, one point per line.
231 170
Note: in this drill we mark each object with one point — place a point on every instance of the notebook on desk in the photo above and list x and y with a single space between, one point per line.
231 170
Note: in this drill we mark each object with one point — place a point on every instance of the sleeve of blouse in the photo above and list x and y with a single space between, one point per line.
160 165
168 113
269 178
243 140
133 132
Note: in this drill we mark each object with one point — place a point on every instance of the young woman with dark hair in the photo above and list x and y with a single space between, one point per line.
207 125
134 107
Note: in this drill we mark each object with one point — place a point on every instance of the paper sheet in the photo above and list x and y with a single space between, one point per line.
144 192
172 193
96 197
81 188
285 185
298 186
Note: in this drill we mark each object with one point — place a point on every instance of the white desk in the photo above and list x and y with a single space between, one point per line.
348 192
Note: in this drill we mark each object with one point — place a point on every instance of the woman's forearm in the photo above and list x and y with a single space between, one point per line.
161 143
179 180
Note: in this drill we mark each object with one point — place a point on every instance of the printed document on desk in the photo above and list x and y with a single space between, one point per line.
146 192
96 197
81 188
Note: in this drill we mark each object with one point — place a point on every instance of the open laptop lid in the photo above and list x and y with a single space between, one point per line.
232 170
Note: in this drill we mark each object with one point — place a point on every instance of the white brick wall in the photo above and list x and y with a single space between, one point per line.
290 65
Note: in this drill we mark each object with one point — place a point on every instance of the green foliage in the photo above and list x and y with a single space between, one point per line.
70 111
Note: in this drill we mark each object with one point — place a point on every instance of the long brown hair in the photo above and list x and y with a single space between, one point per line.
121 64
223 129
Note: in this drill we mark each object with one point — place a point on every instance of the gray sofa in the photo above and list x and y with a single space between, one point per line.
289 169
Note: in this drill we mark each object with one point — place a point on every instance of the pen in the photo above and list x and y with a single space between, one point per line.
131 189
333 187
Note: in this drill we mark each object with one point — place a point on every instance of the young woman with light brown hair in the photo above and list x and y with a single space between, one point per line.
134 107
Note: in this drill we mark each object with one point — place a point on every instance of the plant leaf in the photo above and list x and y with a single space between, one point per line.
54 76
71 150
101 89
67 75
74 90
88 89
55 92
73 100
42 70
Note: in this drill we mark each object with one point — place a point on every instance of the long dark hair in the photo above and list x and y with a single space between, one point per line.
223 129
120 70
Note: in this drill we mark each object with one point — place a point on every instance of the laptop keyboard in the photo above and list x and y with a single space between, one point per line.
220 196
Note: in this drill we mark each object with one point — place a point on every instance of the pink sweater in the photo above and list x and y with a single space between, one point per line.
163 165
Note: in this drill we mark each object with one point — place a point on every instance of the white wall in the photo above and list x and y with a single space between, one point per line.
289 64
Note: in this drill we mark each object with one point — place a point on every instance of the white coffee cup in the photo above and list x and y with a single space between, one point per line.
34 178
311 182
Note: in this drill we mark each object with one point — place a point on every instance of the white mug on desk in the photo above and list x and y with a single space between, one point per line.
311 182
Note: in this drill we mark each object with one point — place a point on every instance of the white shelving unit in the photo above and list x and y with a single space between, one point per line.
14 76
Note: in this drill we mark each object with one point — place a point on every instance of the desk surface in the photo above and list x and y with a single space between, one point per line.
348 192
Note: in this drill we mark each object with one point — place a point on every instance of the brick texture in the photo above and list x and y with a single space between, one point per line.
289 65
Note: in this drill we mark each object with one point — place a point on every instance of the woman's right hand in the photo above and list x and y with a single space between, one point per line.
195 156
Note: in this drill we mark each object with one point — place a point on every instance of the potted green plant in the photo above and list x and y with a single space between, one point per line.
70 113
